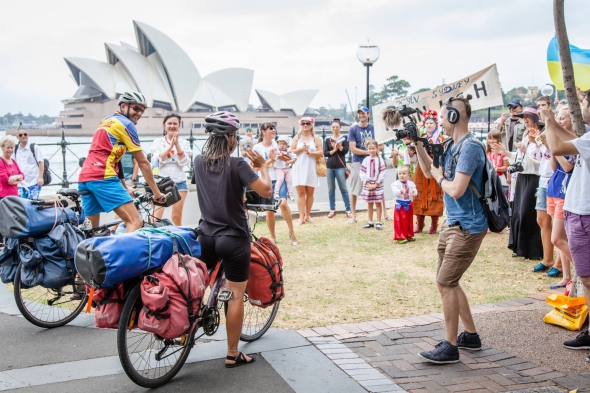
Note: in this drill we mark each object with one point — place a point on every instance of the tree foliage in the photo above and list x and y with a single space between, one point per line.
393 88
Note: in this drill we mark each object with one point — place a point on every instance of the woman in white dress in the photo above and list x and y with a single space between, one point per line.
307 147
172 154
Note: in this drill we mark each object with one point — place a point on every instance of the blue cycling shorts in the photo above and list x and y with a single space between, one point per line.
105 195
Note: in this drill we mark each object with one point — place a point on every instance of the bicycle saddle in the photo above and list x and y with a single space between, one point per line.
69 192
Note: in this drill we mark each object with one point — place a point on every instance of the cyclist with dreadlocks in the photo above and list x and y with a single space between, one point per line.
102 175
221 181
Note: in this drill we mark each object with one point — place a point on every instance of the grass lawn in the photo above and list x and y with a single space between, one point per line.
342 273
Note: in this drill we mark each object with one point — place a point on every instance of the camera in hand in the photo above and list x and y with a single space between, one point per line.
515 168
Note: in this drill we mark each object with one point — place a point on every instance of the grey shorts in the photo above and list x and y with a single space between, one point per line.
356 185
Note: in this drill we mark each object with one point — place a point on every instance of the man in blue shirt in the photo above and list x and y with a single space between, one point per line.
462 233
357 136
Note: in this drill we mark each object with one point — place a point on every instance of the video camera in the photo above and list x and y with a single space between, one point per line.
392 117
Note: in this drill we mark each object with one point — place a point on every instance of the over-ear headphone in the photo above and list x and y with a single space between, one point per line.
452 113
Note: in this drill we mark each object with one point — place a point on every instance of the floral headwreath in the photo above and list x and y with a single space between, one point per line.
306 118
429 115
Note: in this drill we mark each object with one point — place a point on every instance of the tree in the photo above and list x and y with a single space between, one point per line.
569 83
567 68
421 90
394 88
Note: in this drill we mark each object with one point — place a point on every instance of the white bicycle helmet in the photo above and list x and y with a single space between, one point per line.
132 97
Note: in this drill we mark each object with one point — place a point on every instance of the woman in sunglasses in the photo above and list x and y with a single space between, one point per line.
307 147
173 154
10 173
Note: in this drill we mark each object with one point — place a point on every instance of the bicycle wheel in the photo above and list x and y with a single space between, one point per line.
257 320
48 308
148 360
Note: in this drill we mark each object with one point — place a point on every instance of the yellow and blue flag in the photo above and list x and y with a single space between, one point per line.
580 61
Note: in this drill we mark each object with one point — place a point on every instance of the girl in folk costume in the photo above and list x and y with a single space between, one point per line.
372 175
404 190
429 201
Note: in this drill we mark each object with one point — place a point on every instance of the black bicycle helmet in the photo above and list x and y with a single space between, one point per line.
221 123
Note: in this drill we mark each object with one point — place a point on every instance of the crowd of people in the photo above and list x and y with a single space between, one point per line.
543 166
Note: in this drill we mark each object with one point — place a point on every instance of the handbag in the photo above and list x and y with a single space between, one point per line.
320 164
346 170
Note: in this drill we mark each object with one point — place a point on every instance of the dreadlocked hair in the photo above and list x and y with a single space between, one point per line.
217 149
391 118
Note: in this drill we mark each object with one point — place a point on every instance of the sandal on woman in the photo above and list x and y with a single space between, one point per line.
540 268
239 360
291 236
332 213
308 219
554 272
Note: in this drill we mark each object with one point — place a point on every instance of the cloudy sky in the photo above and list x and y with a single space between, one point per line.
291 45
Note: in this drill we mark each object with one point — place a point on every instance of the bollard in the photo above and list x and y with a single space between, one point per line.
293 134
63 145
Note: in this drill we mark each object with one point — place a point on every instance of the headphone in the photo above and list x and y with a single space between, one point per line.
452 113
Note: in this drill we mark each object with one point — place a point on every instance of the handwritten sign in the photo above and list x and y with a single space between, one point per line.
484 86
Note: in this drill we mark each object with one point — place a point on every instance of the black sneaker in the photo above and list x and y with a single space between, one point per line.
582 341
468 341
369 225
443 353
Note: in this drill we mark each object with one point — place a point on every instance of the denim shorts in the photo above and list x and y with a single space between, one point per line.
541 199
104 195
282 194
182 186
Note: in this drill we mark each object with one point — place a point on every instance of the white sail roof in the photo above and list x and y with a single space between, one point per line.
295 101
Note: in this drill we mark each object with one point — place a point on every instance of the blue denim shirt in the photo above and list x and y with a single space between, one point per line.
466 210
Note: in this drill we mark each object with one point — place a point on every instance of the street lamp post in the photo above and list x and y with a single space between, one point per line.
368 54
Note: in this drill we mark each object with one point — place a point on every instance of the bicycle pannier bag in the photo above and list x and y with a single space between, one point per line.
265 285
9 260
108 304
165 185
173 299
57 271
31 272
20 218
106 261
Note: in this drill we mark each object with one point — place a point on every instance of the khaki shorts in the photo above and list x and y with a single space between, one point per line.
356 185
457 248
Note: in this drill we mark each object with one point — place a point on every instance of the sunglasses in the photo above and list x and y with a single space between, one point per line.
270 128
138 108
25 134
306 124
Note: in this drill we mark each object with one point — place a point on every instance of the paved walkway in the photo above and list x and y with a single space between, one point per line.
373 356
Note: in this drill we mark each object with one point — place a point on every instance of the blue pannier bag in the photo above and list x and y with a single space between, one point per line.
9 260
106 261
57 271
31 271
21 218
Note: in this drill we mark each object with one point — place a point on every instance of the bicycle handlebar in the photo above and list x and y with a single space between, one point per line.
264 208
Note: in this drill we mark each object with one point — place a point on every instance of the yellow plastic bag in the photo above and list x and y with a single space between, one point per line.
568 312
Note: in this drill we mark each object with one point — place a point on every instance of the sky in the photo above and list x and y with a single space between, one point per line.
290 45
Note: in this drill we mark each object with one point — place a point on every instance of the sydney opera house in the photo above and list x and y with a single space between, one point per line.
170 81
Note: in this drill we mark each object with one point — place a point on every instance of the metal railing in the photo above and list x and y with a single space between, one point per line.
63 147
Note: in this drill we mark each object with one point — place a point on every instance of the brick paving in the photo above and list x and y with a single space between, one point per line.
382 357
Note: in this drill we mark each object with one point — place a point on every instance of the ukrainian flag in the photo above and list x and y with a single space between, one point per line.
580 61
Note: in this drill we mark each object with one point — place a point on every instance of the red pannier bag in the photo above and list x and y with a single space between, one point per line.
265 285
108 304
172 302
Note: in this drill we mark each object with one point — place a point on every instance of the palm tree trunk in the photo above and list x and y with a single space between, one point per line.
569 83
567 68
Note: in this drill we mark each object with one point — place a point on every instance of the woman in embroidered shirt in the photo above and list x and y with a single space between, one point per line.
429 201
372 175
173 154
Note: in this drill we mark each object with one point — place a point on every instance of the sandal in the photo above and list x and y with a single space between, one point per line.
554 272
291 236
349 214
540 268
308 219
239 360
332 213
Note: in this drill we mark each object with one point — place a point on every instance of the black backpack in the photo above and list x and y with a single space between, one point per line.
46 172
495 205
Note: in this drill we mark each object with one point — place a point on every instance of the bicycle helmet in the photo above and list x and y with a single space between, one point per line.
221 123
132 97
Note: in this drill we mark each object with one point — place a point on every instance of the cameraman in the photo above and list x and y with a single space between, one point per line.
462 233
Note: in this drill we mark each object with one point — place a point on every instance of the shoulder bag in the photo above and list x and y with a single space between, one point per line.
320 163
346 170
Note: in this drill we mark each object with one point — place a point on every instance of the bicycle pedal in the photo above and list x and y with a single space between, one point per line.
225 295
